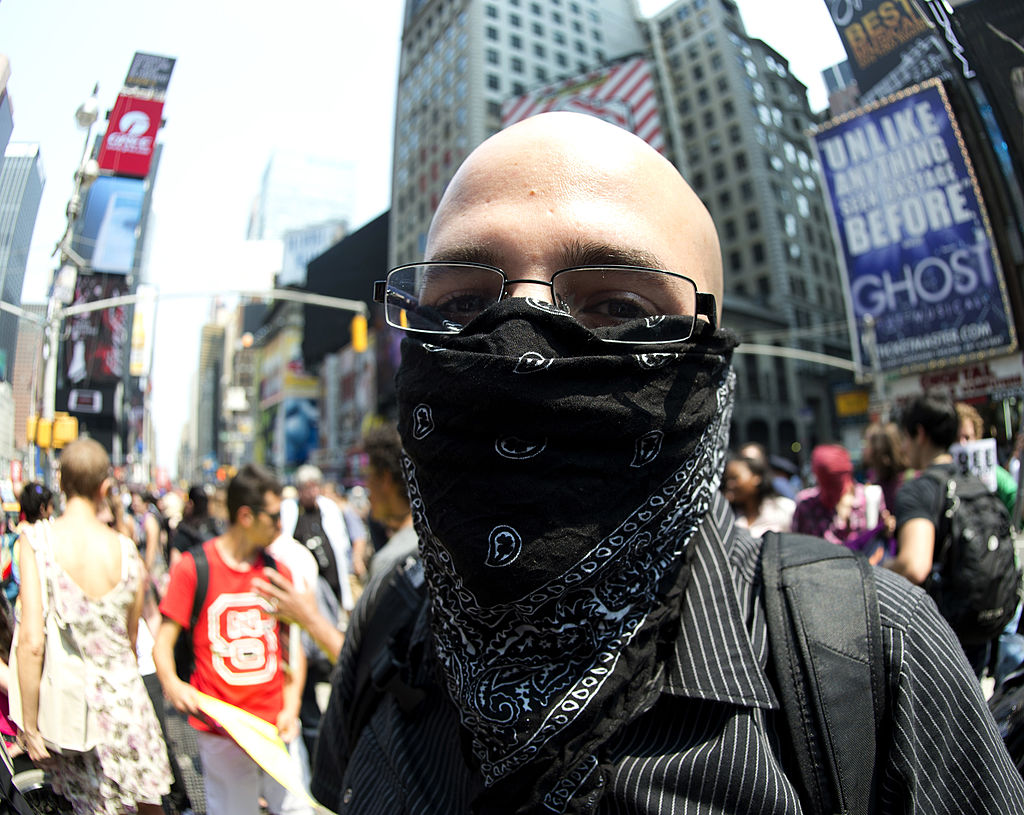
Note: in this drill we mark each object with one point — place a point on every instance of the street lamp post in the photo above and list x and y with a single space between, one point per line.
71 263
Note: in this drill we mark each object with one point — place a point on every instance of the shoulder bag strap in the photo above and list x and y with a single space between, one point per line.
381 667
947 493
825 635
202 583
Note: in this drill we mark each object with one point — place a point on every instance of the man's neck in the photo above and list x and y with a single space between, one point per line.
235 547
938 457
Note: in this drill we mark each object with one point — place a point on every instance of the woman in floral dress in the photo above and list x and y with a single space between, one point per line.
97 581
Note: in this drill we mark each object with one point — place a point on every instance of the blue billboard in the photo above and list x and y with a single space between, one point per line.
915 237
107 231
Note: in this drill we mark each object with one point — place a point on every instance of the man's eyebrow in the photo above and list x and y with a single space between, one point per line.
590 253
466 253
577 253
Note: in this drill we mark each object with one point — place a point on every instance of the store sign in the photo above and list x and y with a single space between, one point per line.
990 380
127 149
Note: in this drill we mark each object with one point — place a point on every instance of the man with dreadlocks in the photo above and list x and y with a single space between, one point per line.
594 637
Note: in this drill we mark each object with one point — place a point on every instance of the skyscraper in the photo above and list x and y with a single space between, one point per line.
21 190
300 190
460 59
739 119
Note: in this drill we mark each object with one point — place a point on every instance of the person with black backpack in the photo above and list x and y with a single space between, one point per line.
595 632
953 534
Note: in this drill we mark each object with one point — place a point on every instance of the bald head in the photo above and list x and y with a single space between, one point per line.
566 189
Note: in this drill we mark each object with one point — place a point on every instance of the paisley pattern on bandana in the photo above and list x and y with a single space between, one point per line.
553 503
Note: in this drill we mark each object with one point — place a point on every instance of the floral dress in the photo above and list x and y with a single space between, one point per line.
130 763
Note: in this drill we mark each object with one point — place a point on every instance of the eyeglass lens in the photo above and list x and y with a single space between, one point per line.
444 297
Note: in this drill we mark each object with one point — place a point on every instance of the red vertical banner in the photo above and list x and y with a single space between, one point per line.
127 148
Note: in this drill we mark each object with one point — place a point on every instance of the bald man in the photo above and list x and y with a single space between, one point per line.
594 637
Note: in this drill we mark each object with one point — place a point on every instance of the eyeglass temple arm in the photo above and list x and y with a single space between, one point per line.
707 306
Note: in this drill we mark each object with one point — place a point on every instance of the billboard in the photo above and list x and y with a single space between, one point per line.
992 33
623 94
150 72
107 231
96 347
891 44
127 148
915 236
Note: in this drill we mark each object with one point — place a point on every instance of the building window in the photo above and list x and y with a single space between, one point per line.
581 48
492 33
518 88
757 252
740 161
493 82
558 37
728 108
515 20
718 171
561 59
492 56
492 12
493 110
537 29
730 230
753 221
535 8
556 17
541 73
735 261
539 50
515 41
517 65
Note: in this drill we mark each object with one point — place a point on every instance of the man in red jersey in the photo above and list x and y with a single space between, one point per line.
236 643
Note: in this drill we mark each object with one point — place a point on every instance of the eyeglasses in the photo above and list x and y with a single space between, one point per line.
441 298
274 516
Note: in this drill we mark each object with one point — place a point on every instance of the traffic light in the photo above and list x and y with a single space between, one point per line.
65 429
357 328
30 429
44 433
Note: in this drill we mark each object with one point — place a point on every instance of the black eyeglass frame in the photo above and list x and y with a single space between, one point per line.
705 304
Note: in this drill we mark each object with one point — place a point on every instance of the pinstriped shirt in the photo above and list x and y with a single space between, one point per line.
709 744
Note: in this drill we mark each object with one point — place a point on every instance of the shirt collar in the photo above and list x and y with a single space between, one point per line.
716 656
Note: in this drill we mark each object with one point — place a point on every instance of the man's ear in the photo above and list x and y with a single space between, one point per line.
104 488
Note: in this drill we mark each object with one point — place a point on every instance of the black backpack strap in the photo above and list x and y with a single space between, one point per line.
382 666
202 583
825 636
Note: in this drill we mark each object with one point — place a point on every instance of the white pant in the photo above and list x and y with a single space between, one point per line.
234 783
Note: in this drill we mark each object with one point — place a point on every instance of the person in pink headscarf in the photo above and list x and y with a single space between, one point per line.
838 508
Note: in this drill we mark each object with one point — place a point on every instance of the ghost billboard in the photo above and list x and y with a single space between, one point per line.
915 235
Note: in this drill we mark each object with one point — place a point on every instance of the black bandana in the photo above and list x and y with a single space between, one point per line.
555 481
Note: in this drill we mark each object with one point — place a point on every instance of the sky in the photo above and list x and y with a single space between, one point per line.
251 77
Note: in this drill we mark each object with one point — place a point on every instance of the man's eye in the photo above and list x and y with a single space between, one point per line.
611 308
463 304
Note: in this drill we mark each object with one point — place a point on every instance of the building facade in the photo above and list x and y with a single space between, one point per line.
21 190
739 120
459 60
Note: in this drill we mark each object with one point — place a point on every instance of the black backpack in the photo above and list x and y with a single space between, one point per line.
827 663
1007 708
974 580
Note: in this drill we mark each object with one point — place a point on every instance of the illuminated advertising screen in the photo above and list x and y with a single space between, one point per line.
127 148
106 232
915 236
96 345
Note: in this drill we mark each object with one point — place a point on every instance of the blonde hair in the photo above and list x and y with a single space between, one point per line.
83 466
